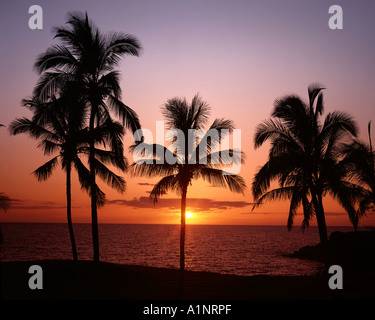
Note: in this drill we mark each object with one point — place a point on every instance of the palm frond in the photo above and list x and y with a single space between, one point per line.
107 156
110 82
119 44
175 111
56 57
85 181
163 186
275 130
280 167
221 158
298 197
217 177
338 121
45 171
308 212
211 139
127 115
348 194
292 111
142 169
24 125
114 181
314 91
48 146
319 105
152 153
50 83
198 113
282 193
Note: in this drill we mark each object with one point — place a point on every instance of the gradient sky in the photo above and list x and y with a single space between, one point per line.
239 55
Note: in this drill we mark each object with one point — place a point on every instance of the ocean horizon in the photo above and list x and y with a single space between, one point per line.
227 249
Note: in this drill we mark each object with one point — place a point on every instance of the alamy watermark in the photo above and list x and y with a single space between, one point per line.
335 21
36 280
36 20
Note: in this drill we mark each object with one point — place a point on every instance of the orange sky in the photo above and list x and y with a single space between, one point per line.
240 56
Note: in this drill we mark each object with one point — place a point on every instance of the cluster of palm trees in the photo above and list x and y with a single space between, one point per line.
72 103
311 158
78 92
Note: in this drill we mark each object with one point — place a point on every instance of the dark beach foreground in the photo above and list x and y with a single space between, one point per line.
64 279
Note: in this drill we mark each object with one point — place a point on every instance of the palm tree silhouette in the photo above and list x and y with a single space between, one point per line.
88 56
304 156
51 124
5 203
360 162
59 123
192 160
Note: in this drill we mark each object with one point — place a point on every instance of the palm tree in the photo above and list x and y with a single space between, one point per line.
192 160
5 203
51 124
360 161
59 123
90 57
304 156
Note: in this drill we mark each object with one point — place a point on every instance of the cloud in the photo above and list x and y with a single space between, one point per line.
163 192
37 205
329 213
197 204
145 184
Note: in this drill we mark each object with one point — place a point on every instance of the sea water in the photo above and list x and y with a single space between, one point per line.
239 250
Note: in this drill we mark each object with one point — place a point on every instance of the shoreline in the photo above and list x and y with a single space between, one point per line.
88 280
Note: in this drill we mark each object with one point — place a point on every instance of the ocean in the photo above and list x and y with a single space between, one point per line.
238 250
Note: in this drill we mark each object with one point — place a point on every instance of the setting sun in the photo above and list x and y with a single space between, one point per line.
189 214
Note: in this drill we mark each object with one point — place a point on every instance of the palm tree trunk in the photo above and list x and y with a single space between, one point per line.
94 211
183 227
69 212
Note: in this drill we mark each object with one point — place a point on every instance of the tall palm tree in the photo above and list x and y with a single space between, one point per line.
59 123
90 57
50 124
5 203
304 156
192 160
360 161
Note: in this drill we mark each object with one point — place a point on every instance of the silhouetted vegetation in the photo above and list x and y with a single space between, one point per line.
360 162
59 124
5 203
305 158
89 58
78 91
180 173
